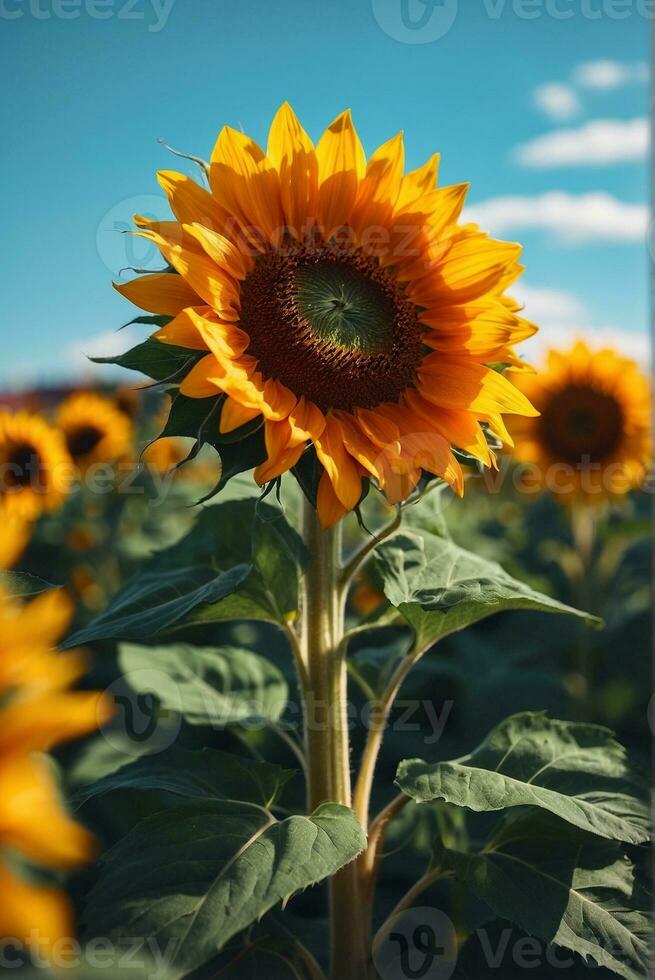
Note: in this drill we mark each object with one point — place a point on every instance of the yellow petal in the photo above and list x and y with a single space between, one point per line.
159 292
339 464
32 819
379 189
418 182
222 251
201 381
329 508
234 415
291 151
29 910
467 385
210 282
341 166
191 203
182 330
247 185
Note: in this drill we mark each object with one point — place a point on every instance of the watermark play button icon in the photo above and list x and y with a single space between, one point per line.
417 944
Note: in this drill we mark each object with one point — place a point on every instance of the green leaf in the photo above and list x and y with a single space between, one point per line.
21 584
565 887
162 362
187 416
439 588
577 772
215 686
194 876
154 601
207 774
256 535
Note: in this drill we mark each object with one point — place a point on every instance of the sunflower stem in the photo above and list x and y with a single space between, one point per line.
326 724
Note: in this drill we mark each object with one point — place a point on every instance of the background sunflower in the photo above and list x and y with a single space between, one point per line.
592 440
35 466
95 429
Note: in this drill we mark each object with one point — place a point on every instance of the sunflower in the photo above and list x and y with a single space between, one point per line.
340 303
95 429
592 440
37 713
35 467
15 536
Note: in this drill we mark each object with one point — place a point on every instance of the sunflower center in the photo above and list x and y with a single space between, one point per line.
22 467
582 422
83 440
331 325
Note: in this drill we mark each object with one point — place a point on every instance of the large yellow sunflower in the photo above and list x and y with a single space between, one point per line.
593 437
95 429
35 467
341 303
37 712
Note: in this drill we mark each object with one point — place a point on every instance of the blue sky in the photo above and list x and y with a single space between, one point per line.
88 96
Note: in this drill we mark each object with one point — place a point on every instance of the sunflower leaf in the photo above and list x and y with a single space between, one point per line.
157 600
439 588
161 362
204 774
565 887
194 876
215 686
577 772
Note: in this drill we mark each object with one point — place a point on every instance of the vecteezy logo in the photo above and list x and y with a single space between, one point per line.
419 944
415 21
139 722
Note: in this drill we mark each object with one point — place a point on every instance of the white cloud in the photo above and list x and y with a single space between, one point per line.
597 216
606 74
108 344
603 141
552 305
557 100
562 319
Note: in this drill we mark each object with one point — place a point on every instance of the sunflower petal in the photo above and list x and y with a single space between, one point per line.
466 385
291 151
159 292
246 184
341 166
339 465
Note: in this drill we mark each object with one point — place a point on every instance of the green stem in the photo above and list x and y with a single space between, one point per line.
326 723
583 526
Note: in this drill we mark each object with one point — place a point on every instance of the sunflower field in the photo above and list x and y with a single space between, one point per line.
325 635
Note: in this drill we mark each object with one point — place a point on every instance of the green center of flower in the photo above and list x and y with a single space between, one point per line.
344 308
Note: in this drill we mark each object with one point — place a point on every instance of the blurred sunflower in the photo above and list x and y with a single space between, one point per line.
165 454
595 420
15 535
35 467
37 713
95 429
340 302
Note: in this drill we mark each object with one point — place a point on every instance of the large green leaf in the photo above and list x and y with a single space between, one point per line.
207 773
196 875
564 886
577 772
155 601
439 588
260 558
214 686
